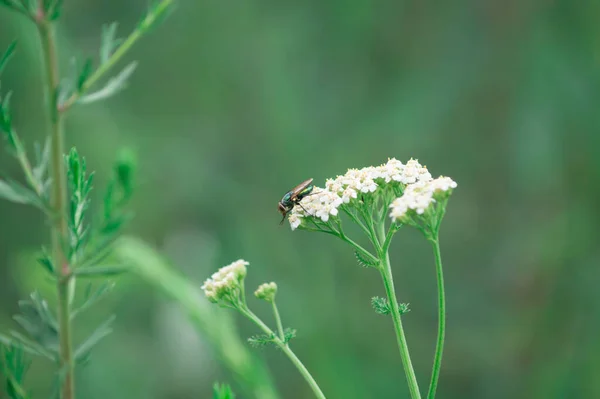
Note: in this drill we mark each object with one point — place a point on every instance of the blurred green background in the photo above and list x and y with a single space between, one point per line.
235 102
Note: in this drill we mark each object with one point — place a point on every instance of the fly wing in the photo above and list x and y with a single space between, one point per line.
294 191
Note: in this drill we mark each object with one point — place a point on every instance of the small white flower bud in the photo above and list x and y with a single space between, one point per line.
266 291
225 284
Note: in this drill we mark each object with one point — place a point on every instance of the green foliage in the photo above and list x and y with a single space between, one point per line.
222 392
6 121
261 340
41 327
22 7
403 308
158 10
84 349
109 42
14 192
364 261
114 85
52 9
288 335
84 74
45 260
7 55
14 365
80 185
92 296
381 305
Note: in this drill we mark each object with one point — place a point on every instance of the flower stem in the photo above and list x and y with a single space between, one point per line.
58 204
388 282
278 321
439 349
289 353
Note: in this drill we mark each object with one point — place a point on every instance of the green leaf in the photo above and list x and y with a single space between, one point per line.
6 120
39 322
9 342
42 157
222 392
102 331
11 193
29 345
7 55
15 5
15 192
45 260
92 297
108 42
112 87
31 5
157 12
80 185
288 335
364 262
381 305
261 340
14 366
84 74
403 308
53 9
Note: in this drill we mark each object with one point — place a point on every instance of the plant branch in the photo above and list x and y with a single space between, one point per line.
59 203
157 12
286 349
439 349
278 322
388 282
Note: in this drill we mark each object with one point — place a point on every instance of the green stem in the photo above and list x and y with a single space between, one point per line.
356 220
439 349
289 353
146 24
388 282
58 204
278 321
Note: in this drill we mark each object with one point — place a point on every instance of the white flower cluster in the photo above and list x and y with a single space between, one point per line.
419 196
225 280
323 203
266 291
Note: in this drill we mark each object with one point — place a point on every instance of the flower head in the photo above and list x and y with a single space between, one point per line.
266 291
226 283
419 196
321 203
352 187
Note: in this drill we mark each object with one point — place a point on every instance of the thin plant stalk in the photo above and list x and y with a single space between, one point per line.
388 282
59 202
439 349
381 241
278 321
289 353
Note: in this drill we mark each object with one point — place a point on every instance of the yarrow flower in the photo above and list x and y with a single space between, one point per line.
323 203
419 196
266 291
225 284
